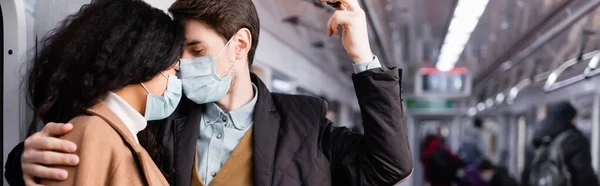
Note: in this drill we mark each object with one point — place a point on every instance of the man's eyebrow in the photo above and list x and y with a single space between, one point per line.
192 42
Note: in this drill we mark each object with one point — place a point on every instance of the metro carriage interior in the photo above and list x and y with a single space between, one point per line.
517 57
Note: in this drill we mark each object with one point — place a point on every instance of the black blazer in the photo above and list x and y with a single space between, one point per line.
294 144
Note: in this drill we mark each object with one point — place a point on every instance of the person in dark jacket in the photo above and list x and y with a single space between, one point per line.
291 141
576 148
433 143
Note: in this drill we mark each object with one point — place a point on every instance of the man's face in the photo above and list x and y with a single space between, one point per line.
201 40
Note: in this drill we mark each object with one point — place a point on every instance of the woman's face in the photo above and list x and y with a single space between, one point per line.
158 84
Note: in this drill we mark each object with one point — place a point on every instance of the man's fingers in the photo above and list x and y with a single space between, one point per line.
329 30
350 5
39 171
29 181
56 129
49 158
41 142
339 19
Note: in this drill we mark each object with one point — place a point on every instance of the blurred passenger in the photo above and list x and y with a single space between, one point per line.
563 154
529 156
477 175
491 175
439 162
107 69
470 150
503 178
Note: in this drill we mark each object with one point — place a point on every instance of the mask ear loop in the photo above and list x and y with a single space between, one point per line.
146 88
226 44
165 75
231 69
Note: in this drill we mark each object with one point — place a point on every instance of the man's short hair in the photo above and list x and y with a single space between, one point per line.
226 17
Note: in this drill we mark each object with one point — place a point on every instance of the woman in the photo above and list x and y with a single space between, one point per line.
107 69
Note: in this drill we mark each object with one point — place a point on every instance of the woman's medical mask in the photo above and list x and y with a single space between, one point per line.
161 107
201 83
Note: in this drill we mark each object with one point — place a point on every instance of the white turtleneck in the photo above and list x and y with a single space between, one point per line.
134 121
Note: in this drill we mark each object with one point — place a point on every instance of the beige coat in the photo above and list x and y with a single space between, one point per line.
108 152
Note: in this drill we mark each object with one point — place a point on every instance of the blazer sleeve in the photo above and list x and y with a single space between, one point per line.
97 162
12 170
380 156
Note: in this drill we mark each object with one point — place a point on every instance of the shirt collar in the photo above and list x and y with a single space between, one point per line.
134 121
241 117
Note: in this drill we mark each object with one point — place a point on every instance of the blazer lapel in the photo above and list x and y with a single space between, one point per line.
266 131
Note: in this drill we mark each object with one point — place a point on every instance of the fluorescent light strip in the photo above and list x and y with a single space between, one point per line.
465 19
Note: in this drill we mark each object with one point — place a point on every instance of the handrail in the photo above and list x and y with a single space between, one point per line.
590 71
541 40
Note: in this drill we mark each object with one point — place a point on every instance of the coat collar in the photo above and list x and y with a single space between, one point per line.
116 123
266 131
145 161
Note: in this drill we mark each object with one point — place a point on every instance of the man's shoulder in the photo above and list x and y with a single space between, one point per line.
307 106
293 101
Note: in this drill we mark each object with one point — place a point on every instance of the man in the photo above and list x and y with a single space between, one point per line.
470 149
291 141
575 147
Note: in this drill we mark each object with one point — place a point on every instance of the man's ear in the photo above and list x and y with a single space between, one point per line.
243 41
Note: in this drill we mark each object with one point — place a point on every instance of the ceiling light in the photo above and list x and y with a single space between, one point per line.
463 24
551 79
444 66
489 102
472 111
480 106
470 8
500 98
465 19
512 94
456 39
594 61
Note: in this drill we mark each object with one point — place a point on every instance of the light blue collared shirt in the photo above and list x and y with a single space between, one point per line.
220 132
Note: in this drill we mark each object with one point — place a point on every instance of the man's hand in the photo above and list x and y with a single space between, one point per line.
355 37
43 149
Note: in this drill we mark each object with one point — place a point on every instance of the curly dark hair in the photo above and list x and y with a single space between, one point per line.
105 46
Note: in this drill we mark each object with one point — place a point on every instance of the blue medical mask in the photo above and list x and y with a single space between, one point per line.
201 83
161 107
